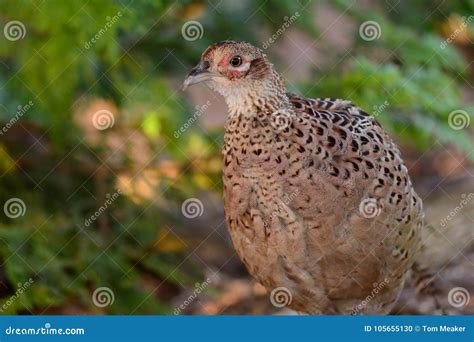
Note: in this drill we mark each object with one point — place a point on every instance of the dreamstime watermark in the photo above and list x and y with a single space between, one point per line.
14 30
198 112
46 330
288 21
459 119
192 208
281 297
110 21
370 30
192 30
103 119
457 31
287 199
21 110
280 120
465 200
20 290
380 108
14 208
110 199
198 288
369 208
103 296
458 297
377 287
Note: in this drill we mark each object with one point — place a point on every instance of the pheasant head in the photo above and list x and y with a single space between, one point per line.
241 73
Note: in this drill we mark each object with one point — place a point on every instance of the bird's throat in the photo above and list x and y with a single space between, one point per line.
258 99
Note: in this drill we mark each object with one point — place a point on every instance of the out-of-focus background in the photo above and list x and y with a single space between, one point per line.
110 188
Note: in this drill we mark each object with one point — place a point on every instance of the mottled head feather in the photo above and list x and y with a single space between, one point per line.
233 46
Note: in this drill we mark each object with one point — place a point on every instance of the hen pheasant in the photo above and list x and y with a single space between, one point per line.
317 199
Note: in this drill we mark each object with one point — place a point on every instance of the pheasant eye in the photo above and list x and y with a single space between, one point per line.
236 61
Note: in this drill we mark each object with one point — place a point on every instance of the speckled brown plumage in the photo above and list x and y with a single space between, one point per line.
317 197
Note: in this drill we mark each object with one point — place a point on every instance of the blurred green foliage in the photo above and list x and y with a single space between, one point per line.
136 66
410 70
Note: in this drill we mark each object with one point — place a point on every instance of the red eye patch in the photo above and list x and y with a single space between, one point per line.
225 61
228 70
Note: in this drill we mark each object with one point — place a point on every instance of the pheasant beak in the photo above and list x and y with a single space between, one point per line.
199 74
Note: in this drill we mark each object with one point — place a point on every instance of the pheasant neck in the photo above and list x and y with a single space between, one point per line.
259 100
